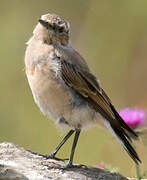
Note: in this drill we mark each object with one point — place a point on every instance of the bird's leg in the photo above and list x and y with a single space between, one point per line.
52 155
69 164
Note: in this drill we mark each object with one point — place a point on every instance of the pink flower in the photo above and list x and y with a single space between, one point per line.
133 117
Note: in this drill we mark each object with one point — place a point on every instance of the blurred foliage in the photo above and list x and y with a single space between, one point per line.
112 37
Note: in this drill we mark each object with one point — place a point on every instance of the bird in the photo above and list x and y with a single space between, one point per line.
66 90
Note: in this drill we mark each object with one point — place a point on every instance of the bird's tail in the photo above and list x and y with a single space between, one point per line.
126 144
117 125
123 133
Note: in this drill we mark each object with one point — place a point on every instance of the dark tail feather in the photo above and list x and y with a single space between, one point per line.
126 144
123 135
119 128
123 124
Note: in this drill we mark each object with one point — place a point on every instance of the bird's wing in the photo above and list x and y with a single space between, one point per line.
85 84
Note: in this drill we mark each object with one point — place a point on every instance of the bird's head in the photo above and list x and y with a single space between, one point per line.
52 29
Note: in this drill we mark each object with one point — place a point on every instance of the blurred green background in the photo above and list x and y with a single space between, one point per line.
112 37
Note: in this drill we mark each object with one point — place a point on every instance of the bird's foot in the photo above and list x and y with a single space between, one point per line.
52 156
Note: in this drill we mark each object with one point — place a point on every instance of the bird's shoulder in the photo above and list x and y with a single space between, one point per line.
72 56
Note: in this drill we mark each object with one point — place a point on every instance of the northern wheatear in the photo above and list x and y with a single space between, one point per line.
64 88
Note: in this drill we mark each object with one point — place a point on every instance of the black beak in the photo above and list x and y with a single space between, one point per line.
44 23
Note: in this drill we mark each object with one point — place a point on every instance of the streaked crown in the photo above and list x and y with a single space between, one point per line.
55 23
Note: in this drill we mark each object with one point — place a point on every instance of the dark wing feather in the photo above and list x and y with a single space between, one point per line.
85 84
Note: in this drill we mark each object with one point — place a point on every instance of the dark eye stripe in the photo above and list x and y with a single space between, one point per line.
61 29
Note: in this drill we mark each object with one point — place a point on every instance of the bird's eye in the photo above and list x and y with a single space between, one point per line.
61 29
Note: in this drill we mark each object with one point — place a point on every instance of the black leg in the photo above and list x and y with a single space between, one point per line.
52 155
69 164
